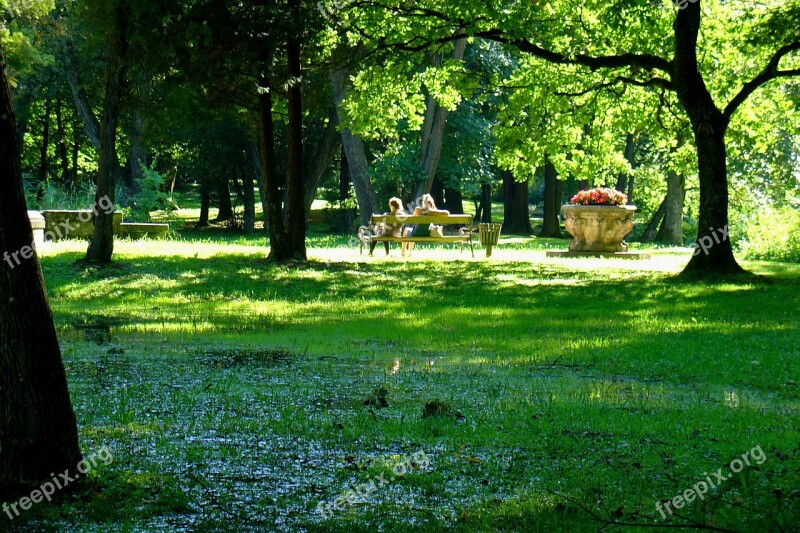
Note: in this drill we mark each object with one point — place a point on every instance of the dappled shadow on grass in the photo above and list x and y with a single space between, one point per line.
467 310
241 385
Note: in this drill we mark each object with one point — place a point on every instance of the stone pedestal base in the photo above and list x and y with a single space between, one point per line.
612 255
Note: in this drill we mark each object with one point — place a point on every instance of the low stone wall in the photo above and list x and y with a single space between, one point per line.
73 224
37 225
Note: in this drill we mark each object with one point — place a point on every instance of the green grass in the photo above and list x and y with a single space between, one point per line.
231 392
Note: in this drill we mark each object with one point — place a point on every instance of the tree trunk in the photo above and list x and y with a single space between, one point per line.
713 217
671 231
516 217
709 125
76 151
38 432
205 201
43 166
297 201
631 182
278 238
102 246
551 223
255 153
323 157
346 214
433 129
356 155
630 155
23 96
449 199
138 152
225 213
655 221
63 152
485 209
249 201
91 126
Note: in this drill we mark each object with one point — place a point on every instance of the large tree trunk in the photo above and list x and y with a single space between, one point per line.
297 202
712 222
551 223
516 218
671 231
356 155
323 157
38 433
102 246
433 129
278 237
709 125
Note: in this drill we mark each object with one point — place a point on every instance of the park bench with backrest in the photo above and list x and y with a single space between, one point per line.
464 234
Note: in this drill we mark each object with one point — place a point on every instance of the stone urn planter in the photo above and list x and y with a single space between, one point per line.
598 228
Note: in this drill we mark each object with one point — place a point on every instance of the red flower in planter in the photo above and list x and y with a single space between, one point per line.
600 196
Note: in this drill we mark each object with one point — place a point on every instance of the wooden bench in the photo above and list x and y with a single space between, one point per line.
464 234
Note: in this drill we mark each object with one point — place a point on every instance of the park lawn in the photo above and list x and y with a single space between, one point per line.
231 392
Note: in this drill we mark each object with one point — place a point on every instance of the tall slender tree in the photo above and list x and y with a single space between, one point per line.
101 247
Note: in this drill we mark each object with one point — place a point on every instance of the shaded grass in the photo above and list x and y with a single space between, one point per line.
235 390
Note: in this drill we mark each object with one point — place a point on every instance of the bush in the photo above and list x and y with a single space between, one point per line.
773 235
151 196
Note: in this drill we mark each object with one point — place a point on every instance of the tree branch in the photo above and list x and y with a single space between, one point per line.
769 73
645 61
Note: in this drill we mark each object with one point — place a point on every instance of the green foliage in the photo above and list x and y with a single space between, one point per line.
24 9
773 235
53 196
151 196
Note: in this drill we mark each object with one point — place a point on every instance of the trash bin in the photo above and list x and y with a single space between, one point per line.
489 235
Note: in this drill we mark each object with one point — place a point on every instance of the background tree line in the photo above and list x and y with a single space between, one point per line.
359 101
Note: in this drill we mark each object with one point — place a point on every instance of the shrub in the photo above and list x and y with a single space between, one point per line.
150 196
773 235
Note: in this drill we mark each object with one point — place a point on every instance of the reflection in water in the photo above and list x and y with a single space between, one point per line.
731 399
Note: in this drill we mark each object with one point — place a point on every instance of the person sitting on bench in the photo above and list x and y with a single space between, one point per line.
393 230
425 206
